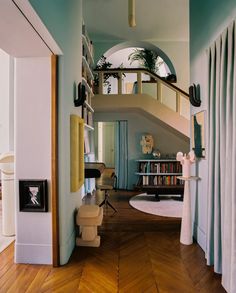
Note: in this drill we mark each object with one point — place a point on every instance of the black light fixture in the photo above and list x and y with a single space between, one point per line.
79 101
194 95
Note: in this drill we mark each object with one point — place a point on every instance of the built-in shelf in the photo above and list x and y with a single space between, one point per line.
86 65
88 127
88 88
88 106
87 49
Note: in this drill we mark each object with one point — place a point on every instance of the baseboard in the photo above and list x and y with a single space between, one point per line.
67 248
200 236
33 253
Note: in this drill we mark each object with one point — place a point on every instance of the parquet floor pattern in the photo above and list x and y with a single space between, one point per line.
139 253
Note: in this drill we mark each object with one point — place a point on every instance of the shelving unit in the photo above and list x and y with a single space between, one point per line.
160 177
87 79
87 109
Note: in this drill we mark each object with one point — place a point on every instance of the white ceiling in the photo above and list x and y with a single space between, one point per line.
162 20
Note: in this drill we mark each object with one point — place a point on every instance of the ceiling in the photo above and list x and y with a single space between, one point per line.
160 20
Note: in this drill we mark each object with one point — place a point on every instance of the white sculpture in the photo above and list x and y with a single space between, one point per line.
147 143
186 161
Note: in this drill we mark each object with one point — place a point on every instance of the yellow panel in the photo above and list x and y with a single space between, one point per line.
76 152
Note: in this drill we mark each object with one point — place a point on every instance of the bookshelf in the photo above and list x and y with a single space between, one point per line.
160 177
87 78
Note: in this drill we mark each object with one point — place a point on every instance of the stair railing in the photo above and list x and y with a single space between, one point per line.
164 88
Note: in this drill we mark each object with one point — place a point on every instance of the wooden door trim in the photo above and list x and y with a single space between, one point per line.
54 163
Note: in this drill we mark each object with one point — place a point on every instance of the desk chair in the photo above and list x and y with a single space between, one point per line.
106 188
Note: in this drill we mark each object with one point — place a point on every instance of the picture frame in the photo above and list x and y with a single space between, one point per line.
198 121
33 195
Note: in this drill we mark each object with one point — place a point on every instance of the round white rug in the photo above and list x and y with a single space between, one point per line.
166 207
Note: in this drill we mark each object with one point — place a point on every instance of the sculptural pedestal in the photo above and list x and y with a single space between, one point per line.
186 234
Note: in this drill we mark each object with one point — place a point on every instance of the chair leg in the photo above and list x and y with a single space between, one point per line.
106 202
110 205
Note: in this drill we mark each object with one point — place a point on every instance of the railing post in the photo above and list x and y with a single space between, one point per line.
178 102
159 90
119 83
139 82
100 83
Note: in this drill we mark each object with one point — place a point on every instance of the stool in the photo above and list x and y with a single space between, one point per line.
88 218
106 202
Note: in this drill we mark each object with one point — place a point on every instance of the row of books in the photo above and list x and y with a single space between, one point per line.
161 167
158 180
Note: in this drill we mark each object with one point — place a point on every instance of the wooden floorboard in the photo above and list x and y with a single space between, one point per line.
138 253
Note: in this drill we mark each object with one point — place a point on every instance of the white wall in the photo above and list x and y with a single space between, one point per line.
33 155
6 103
178 52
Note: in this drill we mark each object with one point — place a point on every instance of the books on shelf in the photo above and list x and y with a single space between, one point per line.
167 173
159 180
160 167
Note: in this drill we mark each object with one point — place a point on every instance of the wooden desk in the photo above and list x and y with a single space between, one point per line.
93 170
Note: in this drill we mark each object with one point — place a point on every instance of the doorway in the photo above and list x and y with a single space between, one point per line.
111 148
105 143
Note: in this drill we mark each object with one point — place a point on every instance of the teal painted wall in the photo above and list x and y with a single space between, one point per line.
63 19
207 20
164 139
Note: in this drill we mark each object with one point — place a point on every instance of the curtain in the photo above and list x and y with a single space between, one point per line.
121 154
221 225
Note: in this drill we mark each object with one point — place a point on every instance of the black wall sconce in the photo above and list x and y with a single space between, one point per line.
78 101
194 95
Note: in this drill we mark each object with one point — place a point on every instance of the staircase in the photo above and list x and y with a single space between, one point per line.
157 98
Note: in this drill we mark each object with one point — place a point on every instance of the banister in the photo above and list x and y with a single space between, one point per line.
143 70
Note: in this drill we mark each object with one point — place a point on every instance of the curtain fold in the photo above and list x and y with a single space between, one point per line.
221 224
121 154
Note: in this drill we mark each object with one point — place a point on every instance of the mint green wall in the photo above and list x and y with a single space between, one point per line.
63 19
164 139
207 20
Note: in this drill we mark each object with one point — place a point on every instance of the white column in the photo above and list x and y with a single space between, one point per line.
186 224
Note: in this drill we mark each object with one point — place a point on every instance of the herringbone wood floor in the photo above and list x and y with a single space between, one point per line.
138 253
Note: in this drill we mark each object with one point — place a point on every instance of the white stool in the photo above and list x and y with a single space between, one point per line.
88 218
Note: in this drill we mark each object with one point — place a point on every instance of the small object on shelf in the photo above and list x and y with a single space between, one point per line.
156 154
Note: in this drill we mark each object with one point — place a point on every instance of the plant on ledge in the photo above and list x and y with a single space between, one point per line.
103 64
147 59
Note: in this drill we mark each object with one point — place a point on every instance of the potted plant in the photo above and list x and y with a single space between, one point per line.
147 59
103 64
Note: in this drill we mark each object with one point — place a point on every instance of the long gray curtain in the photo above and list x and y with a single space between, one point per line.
121 154
221 229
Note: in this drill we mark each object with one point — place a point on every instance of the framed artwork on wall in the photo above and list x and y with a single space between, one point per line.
33 195
198 134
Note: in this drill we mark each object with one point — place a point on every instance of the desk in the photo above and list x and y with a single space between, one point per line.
93 170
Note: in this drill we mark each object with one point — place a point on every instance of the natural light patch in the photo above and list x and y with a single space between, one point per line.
121 59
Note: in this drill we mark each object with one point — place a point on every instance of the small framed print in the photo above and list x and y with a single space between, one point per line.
33 195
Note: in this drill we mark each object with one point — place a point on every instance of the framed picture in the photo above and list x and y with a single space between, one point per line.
33 195
198 134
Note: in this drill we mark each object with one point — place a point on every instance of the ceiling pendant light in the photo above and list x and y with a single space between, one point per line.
131 13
